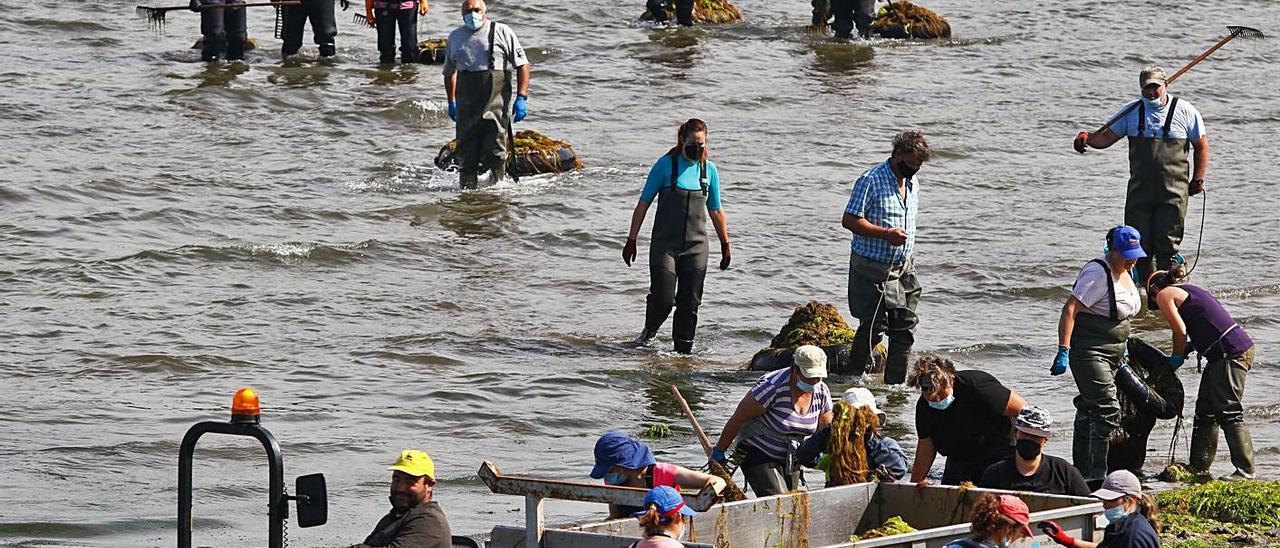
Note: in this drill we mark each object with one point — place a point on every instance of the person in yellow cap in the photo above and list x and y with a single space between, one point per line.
415 521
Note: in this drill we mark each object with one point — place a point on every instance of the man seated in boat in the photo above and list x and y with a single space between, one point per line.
415 521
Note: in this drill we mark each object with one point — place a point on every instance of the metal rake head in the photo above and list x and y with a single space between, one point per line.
1245 32
154 17
360 19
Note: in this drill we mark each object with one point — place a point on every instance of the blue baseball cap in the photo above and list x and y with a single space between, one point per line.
1126 241
669 503
620 449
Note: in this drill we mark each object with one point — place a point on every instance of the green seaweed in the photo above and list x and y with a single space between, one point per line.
1244 502
658 431
892 526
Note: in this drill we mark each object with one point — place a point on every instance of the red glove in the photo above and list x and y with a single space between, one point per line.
629 251
1055 532
1079 143
1196 187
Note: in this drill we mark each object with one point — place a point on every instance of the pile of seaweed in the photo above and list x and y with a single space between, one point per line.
892 526
902 19
705 12
1220 514
819 324
534 154
849 426
431 50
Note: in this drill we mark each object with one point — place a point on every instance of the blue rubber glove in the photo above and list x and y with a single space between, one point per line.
1060 362
1176 361
717 454
521 108
453 110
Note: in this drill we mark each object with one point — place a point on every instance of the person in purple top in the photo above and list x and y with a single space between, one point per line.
783 408
1195 314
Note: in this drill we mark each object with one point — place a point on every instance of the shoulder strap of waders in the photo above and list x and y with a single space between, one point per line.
1142 113
1168 118
675 172
493 28
1111 287
702 178
1122 114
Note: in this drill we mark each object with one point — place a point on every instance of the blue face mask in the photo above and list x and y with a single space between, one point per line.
1115 514
1152 104
474 20
615 478
804 386
944 403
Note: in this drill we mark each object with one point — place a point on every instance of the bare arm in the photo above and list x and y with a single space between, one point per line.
450 83
692 479
825 420
1067 321
1015 404
1168 301
718 221
747 409
1202 157
925 455
1103 138
637 219
522 80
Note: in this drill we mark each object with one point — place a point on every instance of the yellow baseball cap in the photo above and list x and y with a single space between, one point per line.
415 463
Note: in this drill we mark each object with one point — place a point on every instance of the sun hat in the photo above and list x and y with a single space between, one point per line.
811 361
1016 510
1118 484
861 397
1126 241
620 449
668 501
1035 421
415 463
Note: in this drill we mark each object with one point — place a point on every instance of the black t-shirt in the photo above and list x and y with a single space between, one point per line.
422 526
1054 477
974 426
1134 531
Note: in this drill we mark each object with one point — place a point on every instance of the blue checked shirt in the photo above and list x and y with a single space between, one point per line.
875 197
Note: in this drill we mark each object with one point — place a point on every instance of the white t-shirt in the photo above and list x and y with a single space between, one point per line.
1091 289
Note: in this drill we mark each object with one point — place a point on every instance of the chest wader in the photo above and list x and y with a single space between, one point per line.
678 258
1097 347
768 476
320 13
484 119
224 32
1156 203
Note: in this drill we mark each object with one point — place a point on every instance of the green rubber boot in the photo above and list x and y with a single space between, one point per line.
1241 445
1204 446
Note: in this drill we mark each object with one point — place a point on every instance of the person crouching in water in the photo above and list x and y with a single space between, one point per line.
687 187
996 520
225 30
663 518
624 461
858 419
1092 332
1195 314
1029 469
388 16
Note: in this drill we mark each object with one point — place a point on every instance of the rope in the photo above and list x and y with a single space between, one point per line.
1200 239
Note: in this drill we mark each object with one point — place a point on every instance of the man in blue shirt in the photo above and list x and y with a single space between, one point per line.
883 290
1162 130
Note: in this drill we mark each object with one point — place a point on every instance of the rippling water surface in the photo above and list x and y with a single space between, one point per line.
173 231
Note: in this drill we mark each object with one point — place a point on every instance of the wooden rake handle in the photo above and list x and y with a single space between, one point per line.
697 429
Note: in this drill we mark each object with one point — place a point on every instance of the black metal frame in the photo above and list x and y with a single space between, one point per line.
277 501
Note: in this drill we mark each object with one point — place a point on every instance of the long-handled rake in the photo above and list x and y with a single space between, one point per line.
156 16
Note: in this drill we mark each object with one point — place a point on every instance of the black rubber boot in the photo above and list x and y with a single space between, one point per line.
682 347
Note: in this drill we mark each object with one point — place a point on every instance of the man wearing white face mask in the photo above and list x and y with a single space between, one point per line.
478 66
1162 130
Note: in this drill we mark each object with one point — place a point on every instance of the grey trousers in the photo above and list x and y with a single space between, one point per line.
1222 388
883 298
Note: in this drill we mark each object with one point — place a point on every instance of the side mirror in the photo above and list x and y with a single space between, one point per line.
313 500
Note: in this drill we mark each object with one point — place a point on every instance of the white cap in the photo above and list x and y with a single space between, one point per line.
811 361
861 397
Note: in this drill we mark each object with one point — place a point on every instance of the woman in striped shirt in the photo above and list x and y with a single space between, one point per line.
784 407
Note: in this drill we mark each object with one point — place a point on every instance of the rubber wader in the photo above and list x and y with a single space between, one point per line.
764 474
225 32
1156 203
1097 348
678 258
320 13
1219 404
849 13
484 119
405 21
883 297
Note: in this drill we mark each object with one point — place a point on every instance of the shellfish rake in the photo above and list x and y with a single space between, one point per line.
156 16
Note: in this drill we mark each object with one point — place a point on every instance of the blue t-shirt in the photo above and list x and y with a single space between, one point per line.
1187 123
687 177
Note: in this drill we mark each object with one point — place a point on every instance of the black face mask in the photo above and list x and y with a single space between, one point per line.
1027 449
693 151
905 170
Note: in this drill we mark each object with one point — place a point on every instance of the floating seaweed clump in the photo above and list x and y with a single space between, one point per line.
249 43
704 12
892 526
431 51
658 431
534 154
818 324
902 19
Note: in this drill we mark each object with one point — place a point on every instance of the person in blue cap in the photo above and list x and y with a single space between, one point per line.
1092 332
663 518
624 461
